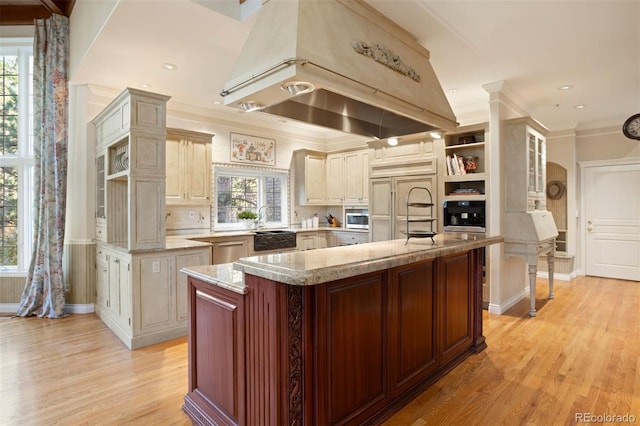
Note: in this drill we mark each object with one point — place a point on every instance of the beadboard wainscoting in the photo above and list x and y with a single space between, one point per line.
79 260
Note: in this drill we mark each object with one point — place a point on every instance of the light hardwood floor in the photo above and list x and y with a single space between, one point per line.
581 354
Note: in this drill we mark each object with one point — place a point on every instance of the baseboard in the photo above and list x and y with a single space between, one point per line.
508 304
557 276
87 308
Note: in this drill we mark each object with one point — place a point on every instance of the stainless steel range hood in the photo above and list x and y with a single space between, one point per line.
358 71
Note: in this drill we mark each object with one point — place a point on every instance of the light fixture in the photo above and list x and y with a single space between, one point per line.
169 66
579 106
435 134
452 91
297 87
566 87
392 141
145 85
249 106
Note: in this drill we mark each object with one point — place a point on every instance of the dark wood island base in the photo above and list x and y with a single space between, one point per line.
348 351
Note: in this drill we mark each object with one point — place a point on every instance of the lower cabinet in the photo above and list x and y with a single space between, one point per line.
142 296
345 238
311 240
350 351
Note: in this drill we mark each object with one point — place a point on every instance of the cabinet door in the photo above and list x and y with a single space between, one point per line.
306 241
380 209
113 272
455 292
412 323
101 192
156 293
175 183
229 251
356 177
124 292
102 279
315 179
199 172
335 178
402 187
183 261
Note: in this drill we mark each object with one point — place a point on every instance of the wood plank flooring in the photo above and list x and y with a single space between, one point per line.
581 354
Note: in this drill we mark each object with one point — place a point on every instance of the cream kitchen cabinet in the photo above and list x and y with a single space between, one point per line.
311 240
113 289
142 296
130 163
356 177
346 238
188 166
310 177
335 178
525 165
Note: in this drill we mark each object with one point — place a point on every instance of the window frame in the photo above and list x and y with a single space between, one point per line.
24 160
261 174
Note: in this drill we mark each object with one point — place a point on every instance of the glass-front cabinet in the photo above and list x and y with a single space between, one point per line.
525 164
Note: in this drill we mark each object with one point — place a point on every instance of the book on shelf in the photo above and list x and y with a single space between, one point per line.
455 165
465 191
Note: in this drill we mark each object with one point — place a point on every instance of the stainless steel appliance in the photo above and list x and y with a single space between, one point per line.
357 219
464 215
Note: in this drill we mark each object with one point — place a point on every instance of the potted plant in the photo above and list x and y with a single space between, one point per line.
248 217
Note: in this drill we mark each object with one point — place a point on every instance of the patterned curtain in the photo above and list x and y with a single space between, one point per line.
43 293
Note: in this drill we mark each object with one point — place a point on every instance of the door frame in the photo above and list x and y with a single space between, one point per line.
581 228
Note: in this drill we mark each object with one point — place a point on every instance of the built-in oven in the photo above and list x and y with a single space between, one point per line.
356 218
464 215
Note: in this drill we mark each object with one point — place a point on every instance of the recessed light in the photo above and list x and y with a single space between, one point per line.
392 141
217 102
566 87
145 85
249 106
452 91
297 87
579 106
169 66
435 134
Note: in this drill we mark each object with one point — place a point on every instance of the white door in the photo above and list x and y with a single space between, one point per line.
612 221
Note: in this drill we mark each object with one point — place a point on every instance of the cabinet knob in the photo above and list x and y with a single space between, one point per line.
589 229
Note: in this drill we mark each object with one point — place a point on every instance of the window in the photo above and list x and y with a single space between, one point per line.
263 192
16 155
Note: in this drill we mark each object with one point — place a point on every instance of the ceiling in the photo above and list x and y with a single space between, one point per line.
534 46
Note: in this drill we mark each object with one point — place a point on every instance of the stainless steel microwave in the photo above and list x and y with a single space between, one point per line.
357 219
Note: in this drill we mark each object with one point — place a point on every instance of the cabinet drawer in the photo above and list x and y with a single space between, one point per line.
101 231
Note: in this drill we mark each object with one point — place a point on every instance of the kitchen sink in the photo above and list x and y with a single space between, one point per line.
274 239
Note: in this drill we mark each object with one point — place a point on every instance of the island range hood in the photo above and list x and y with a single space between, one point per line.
341 65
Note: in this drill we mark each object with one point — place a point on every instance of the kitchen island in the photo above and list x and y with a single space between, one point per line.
331 336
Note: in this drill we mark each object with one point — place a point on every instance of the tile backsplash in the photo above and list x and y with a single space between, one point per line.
185 218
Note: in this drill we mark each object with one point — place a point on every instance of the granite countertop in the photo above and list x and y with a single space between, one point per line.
222 275
249 232
324 265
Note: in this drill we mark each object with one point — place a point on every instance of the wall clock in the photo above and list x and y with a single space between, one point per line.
631 127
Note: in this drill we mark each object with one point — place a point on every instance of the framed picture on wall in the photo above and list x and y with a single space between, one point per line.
253 149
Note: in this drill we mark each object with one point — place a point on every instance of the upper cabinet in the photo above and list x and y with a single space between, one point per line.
356 177
130 138
464 171
188 166
331 179
525 165
311 179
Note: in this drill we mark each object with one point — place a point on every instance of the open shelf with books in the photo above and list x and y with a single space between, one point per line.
464 171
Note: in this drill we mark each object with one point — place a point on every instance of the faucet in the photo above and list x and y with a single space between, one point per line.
262 218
